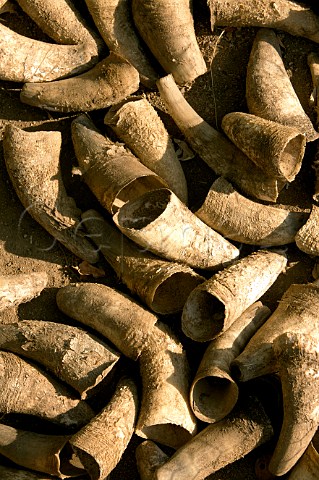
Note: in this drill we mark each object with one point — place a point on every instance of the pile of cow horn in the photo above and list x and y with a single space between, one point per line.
172 259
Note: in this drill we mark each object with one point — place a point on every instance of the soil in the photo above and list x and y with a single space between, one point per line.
26 247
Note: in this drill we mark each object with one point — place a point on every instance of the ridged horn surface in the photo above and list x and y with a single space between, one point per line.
285 15
114 315
158 21
24 59
112 172
160 222
76 357
32 160
277 149
27 389
108 82
100 444
213 392
241 219
269 91
297 312
215 149
115 23
139 126
163 286
219 444
297 360
20 288
213 306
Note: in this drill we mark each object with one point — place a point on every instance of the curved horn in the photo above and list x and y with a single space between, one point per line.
297 361
32 160
243 220
114 21
167 28
214 393
160 222
27 389
277 149
297 312
163 286
137 333
78 358
213 306
100 444
113 173
219 444
136 122
269 91
24 59
62 22
220 154
106 83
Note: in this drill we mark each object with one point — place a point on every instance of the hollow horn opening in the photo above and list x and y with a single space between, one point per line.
213 398
203 316
144 210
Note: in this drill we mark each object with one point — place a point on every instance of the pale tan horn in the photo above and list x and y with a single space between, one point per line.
219 444
163 286
297 358
33 163
112 172
307 467
74 356
100 444
25 388
285 15
168 30
277 149
161 223
213 392
136 122
24 59
149 457
213 306
269 91
115 23
22 287
220 154
139 335
166 381
62 22
243 220
114 315
297 312
39 452
108 82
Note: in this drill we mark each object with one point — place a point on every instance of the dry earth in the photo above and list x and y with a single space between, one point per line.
26 247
